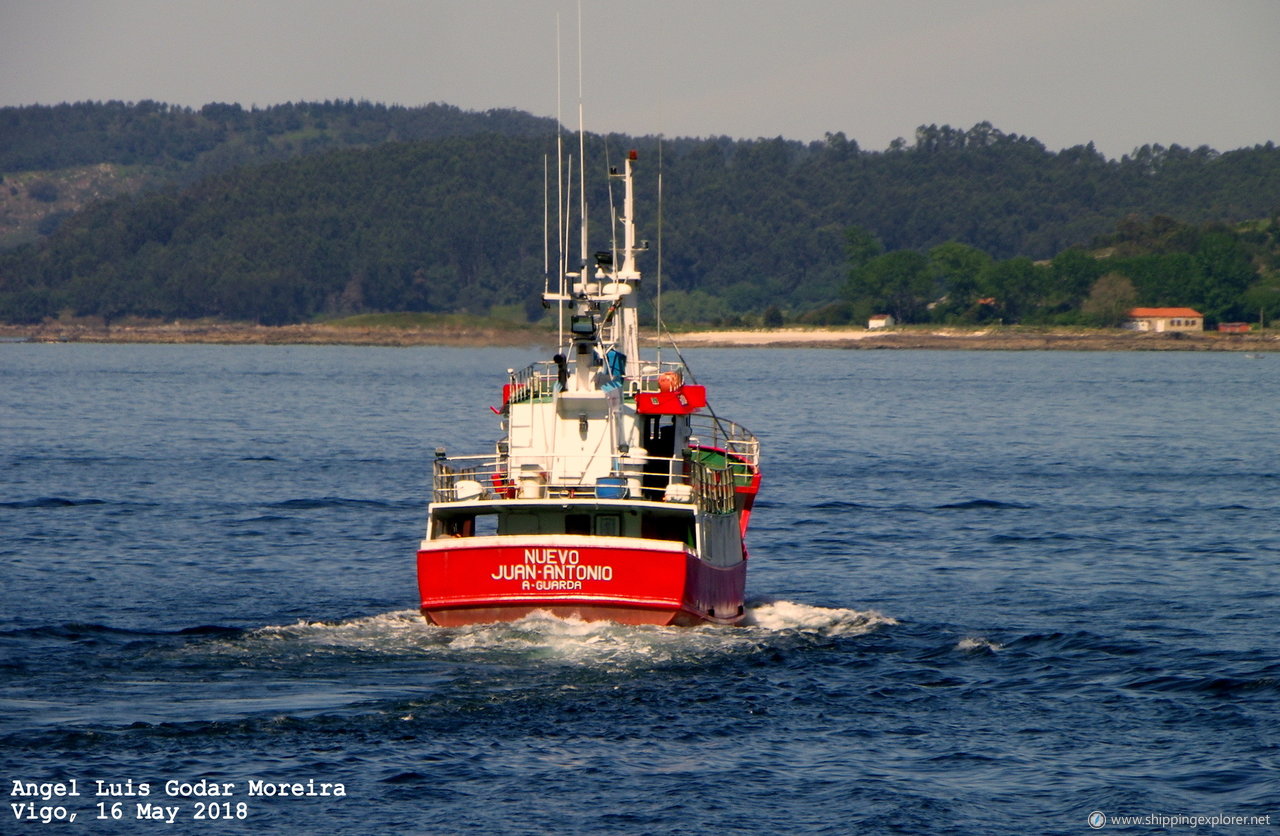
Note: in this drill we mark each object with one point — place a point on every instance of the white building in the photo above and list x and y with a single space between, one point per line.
883 320
1166 319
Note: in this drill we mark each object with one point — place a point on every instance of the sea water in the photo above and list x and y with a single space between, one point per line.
989 593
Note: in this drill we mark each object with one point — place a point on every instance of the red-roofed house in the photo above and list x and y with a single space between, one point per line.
1166 319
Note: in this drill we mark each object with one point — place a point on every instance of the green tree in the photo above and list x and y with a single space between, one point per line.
897 283
834 313
1227 274
1263 300
1110 300
1015 285
27 306
1173 279
956 269
860 247
1074 272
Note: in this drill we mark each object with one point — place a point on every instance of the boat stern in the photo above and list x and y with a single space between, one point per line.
483 579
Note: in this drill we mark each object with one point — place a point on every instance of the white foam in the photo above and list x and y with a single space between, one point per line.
544 638
972 644
356 629
833 621
543 634
393 632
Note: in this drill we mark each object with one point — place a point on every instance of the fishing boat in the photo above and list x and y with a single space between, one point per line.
614 493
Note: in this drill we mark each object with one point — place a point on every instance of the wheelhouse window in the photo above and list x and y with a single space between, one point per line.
601 522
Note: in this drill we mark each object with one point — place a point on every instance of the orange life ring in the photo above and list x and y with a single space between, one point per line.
670 381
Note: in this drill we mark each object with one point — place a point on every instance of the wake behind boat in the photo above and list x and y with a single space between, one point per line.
616 493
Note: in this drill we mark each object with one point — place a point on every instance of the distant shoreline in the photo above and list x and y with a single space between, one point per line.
985 339
980 339
239 333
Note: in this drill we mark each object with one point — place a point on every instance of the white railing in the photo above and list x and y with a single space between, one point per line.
459 478
722 434
540 379
691 477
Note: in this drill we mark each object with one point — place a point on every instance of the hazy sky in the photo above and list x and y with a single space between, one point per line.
1120 73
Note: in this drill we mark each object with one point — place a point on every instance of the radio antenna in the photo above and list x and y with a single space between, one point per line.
658 300
582 152
546 223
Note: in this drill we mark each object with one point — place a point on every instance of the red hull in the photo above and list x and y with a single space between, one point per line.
484 579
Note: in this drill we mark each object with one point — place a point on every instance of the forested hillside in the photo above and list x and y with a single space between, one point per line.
219 136
263 220
55 160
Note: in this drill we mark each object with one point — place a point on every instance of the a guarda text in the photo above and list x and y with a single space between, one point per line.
551 570
48 802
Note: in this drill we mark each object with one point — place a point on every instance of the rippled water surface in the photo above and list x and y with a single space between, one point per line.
991 593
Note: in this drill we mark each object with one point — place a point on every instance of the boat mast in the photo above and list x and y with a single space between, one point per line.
626 278
560 213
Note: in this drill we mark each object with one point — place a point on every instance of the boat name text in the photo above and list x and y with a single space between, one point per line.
552 570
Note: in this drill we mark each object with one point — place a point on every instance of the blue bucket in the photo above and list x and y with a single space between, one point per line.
611 487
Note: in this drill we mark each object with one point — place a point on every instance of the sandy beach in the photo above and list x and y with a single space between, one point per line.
240 333
987 339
